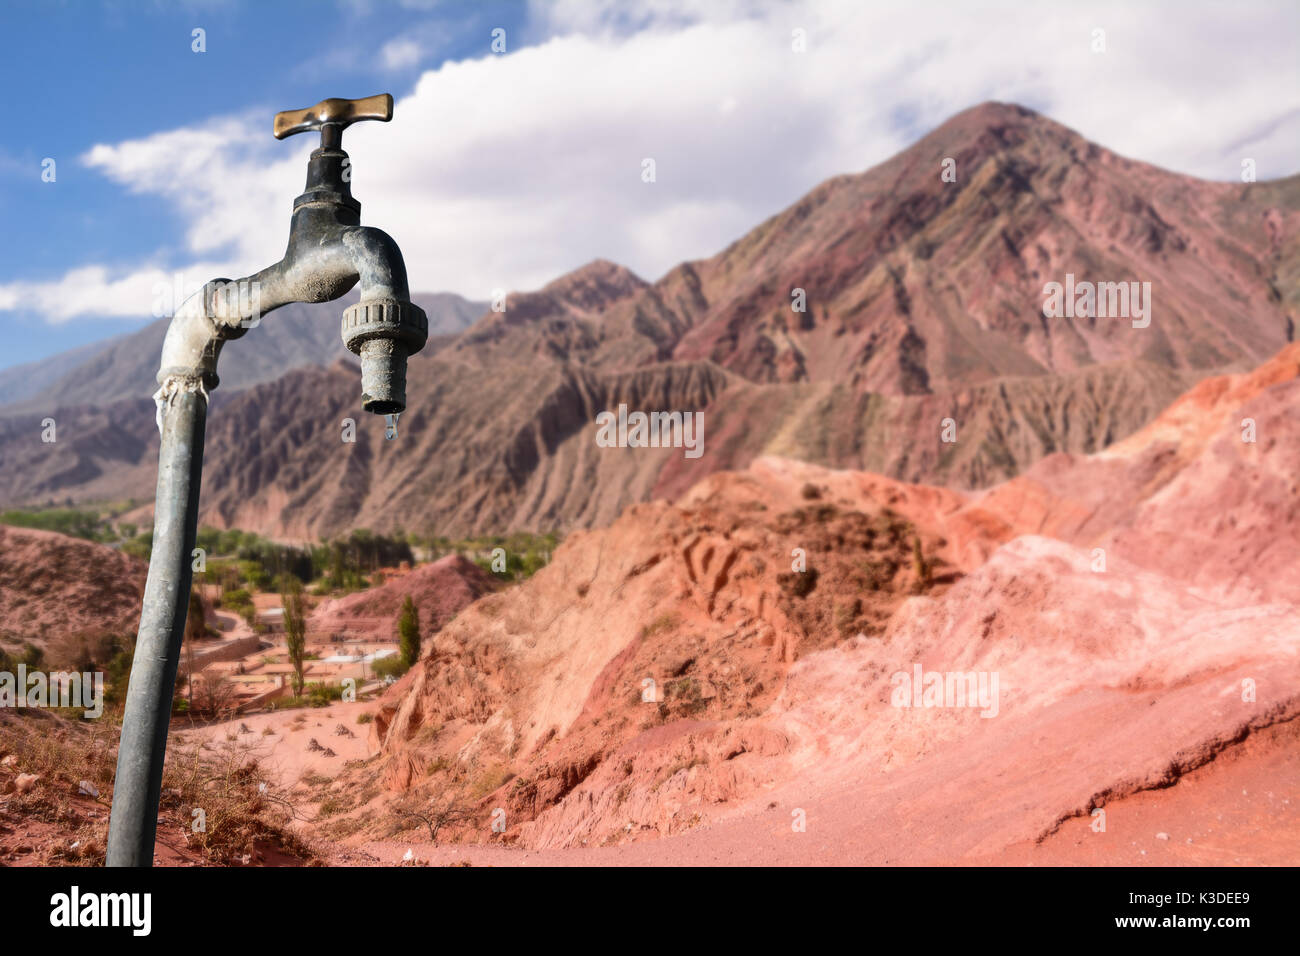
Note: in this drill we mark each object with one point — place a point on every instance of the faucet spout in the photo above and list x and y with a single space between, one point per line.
324 260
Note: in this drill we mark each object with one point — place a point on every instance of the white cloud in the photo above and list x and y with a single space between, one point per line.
222 177
400 54
97 291
506 171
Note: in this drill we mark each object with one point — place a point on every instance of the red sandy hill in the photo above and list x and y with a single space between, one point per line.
439 590
54 587
1162 689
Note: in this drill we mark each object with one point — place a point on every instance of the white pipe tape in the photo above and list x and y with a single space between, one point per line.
172 386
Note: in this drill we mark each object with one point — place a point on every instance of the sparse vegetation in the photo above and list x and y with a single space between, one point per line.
798 583
664 622
439 765
451 807
683 697
244 559
240 805
88 522
31 656
212 696
490 780
335 804
241 808
891 525
295 628
526 553
315 694
101 651
678 767
878 573
924 569
341 562
241 602
139 546
408 633
70 521
391 666
846 617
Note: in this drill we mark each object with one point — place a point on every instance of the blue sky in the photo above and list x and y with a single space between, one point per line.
133 72
506 170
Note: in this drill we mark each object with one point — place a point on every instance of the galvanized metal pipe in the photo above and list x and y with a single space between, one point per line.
133 824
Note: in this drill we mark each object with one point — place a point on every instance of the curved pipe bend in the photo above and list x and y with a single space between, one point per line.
310 272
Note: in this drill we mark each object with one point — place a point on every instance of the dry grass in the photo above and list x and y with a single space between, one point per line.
242 808
62 752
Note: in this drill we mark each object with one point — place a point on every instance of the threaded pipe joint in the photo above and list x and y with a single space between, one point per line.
384 332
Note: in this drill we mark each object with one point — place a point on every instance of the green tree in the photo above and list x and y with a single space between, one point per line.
408 632
295 628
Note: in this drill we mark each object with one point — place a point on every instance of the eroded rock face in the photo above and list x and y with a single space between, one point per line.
1108 684
1208 493
652 648
779 687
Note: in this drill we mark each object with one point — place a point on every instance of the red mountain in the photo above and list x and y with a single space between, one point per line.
924 302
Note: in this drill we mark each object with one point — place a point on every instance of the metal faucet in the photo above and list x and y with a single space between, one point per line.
329 252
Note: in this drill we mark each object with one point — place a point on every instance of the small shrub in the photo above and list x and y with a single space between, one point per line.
391 666
685 696
798 583
923 568
664 622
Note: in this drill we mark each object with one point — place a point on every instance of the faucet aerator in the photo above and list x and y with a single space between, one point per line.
383 376
384 332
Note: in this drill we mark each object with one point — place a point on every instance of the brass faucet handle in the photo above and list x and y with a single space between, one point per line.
334 112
